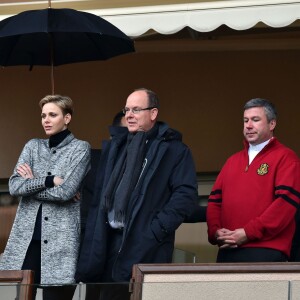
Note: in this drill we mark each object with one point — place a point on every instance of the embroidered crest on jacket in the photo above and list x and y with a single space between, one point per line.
263 169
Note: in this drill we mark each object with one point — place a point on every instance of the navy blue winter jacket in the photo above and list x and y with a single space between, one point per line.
165 196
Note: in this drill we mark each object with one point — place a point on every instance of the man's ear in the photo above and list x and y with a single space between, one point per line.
272 125
154 113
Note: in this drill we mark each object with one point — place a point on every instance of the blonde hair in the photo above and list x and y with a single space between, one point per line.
65 103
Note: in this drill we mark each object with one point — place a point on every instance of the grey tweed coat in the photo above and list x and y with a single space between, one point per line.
60 237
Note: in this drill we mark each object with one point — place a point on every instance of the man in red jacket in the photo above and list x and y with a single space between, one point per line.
253 203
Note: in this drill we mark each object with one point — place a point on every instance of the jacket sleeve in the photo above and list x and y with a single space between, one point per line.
183 200
18 186
214 207
286 201
73 178
198 215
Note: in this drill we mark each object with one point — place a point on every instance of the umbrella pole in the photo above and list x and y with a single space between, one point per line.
52 67
51 62
52 78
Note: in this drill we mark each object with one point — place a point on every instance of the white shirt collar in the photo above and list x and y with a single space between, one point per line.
259 147
255 149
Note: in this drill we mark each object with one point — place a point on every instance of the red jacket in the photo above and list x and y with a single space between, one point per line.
261 197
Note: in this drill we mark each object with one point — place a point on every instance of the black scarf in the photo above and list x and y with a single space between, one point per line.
121 180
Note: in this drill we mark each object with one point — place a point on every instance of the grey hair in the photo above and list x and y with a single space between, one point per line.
153 100
269 108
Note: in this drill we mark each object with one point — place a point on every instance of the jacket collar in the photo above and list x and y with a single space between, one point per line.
271 143
167 133
65 142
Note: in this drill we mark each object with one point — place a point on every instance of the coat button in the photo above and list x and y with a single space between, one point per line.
45 241
46 218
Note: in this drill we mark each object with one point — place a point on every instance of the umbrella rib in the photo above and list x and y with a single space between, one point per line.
90 37
10 53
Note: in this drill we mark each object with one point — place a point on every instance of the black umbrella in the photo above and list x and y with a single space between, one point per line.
59 36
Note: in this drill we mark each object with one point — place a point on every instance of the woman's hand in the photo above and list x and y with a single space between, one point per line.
57 181
76 198
25 171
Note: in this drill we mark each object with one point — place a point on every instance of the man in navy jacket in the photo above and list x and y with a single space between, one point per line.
146 188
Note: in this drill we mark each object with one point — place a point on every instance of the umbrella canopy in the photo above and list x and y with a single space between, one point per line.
59 36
